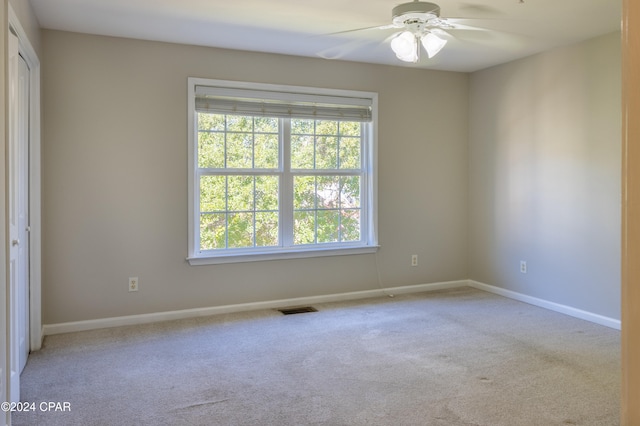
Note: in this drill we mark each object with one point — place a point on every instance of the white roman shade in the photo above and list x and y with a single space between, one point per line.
266 103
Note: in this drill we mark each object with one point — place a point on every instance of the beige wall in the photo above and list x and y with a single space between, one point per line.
115 178
544 175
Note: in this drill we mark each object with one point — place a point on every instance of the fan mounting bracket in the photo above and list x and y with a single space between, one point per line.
415 11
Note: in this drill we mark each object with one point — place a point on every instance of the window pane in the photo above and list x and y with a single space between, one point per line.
228 141
212 193
266 151
350 153
325 145
302 127
304 227
328 223
266 124
328 192
326 127
240 150
213 229
210 121
240 193
239 123
266 193
321 204
210 150
302 155
350 128
350 225
326 152
240 230
350 191
266 229
304 192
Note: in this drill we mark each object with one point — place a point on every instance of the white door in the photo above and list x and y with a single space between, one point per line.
23 138
18 215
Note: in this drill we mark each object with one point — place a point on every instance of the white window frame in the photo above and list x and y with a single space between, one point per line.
369 220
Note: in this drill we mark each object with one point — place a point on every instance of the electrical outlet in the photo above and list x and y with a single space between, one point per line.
133 283
414 260
523 266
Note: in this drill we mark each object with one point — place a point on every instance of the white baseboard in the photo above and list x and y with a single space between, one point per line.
564 309
68 327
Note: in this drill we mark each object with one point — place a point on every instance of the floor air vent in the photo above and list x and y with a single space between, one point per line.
300 310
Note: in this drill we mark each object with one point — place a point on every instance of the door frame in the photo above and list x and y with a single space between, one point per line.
630 395
35 186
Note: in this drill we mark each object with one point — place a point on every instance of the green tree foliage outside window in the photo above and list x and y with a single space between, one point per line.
241 178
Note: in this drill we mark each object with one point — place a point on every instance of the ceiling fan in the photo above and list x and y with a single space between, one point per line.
419 20
421 25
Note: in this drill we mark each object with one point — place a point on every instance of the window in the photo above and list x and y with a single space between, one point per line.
279 171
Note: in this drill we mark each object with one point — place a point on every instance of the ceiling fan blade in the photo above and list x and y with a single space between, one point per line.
481 36
461 32
442 32
379 27
462 27
337 52
341 50
495 28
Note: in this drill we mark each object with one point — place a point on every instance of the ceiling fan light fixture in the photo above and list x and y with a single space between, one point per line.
405 46
432 44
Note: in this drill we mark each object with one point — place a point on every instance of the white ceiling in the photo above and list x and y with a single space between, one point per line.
505 29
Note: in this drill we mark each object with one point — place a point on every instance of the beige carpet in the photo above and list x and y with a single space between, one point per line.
460 357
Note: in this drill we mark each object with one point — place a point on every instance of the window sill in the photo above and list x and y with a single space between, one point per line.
278 255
